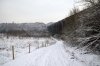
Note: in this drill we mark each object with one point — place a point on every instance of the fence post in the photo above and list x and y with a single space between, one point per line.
42 44
29 48
38 45
45 44
13 52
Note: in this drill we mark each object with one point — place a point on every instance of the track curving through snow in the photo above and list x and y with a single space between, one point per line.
54 55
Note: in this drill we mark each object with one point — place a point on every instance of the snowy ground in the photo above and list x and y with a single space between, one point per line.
56 54
21 46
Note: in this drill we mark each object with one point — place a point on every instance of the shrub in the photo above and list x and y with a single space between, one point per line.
74 11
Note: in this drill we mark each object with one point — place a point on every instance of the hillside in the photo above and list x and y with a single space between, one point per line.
81 29
29 29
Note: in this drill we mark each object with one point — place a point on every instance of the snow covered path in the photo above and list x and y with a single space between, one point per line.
54 55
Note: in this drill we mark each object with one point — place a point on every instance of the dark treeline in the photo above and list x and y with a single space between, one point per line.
37 29
55 28
23 33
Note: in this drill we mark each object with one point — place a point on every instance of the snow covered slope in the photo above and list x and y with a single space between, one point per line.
56 55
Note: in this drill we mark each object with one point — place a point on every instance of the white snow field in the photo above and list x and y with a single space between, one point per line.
57 54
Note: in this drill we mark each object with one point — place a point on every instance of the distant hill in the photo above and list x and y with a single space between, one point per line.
29 28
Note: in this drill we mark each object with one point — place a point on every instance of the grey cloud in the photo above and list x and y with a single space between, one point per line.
34 10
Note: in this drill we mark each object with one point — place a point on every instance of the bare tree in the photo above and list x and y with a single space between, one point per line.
74 11
90 2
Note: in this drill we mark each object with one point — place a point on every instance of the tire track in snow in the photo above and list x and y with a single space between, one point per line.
54 55
38 54
45 57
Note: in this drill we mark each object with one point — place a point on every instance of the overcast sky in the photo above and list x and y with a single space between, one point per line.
45 11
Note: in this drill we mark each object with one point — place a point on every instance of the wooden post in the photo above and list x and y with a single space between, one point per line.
42 44
13 52
7 36
38 45
29 48
45 44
